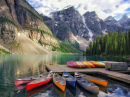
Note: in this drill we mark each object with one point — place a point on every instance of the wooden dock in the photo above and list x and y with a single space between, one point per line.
112 74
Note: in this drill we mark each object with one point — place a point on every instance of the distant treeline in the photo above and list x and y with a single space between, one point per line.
66 47
110 44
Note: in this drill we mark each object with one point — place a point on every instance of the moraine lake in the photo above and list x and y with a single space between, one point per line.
20 66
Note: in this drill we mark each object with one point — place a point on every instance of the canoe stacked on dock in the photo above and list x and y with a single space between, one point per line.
59 81
69 79
86 64
86 84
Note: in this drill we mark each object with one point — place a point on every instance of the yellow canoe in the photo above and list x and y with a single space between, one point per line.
59 91
89 64
79 64
94 79
98 63
59 81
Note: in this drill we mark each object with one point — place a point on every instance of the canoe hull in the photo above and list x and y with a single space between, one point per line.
31 86
94 79
71 83
92 89
86 84
70 80
72 64
37 90
59 91
102 83
59 81
20 87
62 87
19 82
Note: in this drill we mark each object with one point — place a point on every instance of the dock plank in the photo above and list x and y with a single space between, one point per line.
54 68
111 74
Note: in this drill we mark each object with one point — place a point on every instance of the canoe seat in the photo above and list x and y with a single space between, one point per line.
90 84
66 75
83 81
77 76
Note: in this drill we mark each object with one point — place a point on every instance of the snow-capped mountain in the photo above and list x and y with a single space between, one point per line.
69 25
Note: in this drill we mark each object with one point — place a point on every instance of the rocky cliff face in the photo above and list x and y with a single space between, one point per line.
17 16
112 21
94 23
67 23
99 27
113 25
125 22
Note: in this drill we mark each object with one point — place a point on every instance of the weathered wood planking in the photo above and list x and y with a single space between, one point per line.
111 74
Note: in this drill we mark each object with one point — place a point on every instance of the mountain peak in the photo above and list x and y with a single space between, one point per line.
91 14
110 18
112 21
69 7
124 19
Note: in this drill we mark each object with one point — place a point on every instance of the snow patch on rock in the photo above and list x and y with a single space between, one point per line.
104 32
90 32
18 34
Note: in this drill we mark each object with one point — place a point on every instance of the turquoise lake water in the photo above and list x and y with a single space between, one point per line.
20 66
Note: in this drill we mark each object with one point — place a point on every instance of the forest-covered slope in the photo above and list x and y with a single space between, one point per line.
110 44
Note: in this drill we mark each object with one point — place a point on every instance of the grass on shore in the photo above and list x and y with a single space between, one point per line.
2 51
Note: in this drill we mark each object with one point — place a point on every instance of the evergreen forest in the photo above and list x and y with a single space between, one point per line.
113 44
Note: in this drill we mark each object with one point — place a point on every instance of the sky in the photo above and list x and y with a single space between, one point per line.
103 8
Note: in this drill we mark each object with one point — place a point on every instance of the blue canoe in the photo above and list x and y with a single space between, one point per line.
69 79
86 84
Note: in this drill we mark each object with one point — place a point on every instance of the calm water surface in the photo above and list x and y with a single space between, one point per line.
20 66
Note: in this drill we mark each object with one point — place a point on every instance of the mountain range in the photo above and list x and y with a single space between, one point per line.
24 30
69 25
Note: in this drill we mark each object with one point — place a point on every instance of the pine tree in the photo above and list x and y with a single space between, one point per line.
88 51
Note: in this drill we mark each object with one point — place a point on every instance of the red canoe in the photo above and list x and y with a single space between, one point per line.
72 64
26 80
20 87
47 77
37 90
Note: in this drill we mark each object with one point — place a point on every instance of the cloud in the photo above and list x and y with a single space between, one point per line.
103 8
